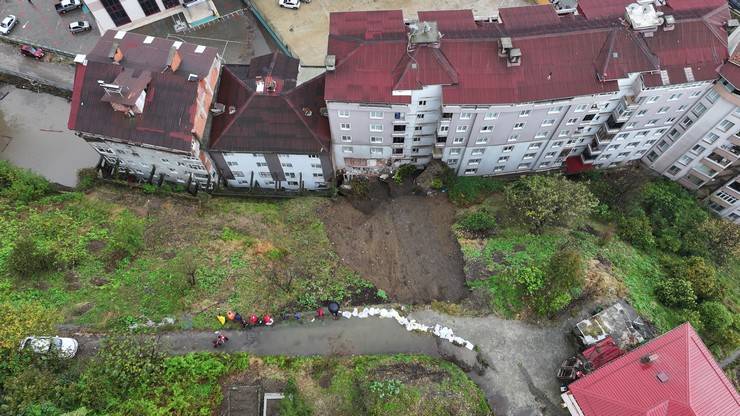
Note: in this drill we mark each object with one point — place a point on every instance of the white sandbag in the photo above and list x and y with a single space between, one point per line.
346 314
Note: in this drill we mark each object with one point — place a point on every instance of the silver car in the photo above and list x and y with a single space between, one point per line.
63 347
80 26
8 24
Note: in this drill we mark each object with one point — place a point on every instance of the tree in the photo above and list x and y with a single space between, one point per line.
676 293
700 273
635 227
722 238
715 317
544 200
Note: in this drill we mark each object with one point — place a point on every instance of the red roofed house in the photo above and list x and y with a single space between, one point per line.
672 375
143 104
520 93
270 132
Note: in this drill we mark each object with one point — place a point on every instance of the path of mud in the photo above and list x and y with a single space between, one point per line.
403 244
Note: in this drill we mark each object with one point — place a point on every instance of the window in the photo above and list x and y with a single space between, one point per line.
491 116
548 122
581 107
452 161
652 100
695 94
670 120
461 129
507 149
261 164
398 140
347 149
513 138
712 96
486 129
503 159
674 97
528 156
519 126
625 154
524 166
458 140
398 151
149 7
471 171
726 197
422 102
699 110
265 174
473 162
292 183
314 156
443 129
663 110
542 134
344 126
466 116
287 165
697 149
682 107
417 128
228 162
631 125
481 140
641 134
555 110
685 160
652 156
673 170
641 113
376 139
544 165
572 121
613 147
563 133
498 168
420 116
454 151
631 145
116 12
550 155
343 113
168 4
376 150
376 128
416 139
725 125
524 113
589 117
687 121
376 114
557 144
710 138
651 123
477 152
346 139
534 146
399 116
317 175
289 175
316 165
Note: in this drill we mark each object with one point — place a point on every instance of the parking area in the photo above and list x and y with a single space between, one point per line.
306 29
40 24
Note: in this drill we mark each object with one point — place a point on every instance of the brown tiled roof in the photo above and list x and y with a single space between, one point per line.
169 110
288 121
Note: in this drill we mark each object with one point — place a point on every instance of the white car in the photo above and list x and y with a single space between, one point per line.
8 24
64 347
80 26
289 4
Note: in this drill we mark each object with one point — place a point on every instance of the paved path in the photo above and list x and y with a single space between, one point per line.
57 75
341 337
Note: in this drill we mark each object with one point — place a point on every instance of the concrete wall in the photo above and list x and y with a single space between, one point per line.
266 170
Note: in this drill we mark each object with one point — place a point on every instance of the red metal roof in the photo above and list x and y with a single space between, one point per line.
603 9
561 56
694 384
731 73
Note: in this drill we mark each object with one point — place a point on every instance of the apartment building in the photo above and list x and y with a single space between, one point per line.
532 89
130 14
143 104
267 131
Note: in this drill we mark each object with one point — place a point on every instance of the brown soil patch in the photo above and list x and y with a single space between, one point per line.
95 246
403 244
477 270
601 285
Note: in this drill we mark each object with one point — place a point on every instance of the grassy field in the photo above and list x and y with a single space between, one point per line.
124 256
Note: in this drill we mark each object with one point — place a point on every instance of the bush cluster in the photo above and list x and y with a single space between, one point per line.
478 221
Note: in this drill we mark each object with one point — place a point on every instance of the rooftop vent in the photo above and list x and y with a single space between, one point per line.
648 359
514 58
200 49
218 109
271 84
232 109
662 377
192 77
643 17
307 112
115 54
148 39
670 22
423 33
324 111
174 59
111 89
504 46
330 62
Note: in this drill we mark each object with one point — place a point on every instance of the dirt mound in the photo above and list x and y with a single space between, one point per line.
403 244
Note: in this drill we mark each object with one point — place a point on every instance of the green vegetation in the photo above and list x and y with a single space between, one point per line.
404 172
108 258
674 261
477 221
469 190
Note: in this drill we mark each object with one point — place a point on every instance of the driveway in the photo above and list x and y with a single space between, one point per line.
40 24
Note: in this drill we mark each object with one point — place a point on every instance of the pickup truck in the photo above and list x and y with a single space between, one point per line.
67 5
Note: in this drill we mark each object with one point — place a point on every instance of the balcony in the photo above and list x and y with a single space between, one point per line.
630 102
704 172
732 152
614 124
718 161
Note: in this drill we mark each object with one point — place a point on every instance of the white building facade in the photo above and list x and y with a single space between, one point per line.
131 14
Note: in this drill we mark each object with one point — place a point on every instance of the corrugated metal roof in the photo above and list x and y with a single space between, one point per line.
731 73
694 384
561 56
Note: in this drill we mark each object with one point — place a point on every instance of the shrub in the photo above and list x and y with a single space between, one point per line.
386 388
436 184
701 274
293 404
478 221
636 229
715 317
530 279
564 277
676 293
127 234
541 200
21 185
86 178
28 260
469 190
404 172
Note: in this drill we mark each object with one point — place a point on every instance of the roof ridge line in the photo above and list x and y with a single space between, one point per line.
305 124
237 114
440 56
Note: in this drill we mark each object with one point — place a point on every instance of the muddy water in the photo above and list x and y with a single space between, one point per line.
34 135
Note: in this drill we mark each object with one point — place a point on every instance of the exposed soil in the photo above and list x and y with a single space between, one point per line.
399 241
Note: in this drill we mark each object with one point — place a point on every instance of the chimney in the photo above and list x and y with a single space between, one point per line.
504 46
669 22
218 109
174 59
648 359
115 54
271 84
330 62
514 58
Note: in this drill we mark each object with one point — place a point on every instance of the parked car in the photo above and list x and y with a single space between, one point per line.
65 6
63 347
8 24
29 50
289 4
79 26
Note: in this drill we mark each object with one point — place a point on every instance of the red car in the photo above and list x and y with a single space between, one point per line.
28 50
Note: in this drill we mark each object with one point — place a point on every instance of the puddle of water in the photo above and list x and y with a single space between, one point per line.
34 135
